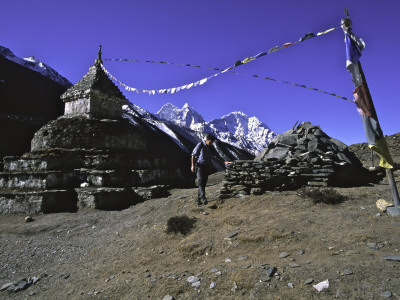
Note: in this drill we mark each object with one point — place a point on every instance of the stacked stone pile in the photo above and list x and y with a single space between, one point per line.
299 157
91 156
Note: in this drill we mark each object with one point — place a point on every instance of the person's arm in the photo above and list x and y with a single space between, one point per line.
192 168
194 153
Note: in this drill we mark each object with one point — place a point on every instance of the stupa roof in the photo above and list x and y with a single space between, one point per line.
93 82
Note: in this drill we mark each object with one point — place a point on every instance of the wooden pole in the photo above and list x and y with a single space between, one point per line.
372 159
346 25
393 187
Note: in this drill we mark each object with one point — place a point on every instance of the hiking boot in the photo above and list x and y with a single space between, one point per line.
205 201
198 202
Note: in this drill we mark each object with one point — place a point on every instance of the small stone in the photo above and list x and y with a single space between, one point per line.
6 286
28 219
347 272
242 257
294 265
218 273
214 270
372 246
246 266
322 285
291 285
392 257
205 213
387 294
196 284
228 260
231 235
382 205
22 285
265 279
212 285
284 255
271 271
234 287
301 252
308 281
192 279
145 275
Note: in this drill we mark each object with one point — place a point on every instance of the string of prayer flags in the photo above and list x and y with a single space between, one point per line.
174 90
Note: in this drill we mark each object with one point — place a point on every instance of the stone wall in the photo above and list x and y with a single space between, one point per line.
303 156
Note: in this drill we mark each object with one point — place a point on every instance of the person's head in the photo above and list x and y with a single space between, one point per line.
209 139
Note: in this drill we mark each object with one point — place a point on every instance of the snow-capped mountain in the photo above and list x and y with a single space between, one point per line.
236 128
35 65
184 137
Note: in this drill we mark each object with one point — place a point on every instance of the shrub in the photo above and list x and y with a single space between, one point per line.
327 195
180 224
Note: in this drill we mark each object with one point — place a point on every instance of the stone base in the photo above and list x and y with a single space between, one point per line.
30 202
106 198
394 211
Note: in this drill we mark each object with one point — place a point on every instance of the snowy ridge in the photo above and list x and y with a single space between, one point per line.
35 65
236 128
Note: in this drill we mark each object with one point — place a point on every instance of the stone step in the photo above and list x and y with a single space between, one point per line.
37 180
108 178
157 176
41 163
106 198
132 161
31 202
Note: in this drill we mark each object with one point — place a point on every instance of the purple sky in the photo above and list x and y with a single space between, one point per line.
216 33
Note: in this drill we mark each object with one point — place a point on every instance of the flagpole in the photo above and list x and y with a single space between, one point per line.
346 26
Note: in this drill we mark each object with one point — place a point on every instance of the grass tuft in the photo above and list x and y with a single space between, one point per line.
180 224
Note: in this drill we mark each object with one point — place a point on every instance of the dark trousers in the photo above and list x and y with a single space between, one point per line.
203 171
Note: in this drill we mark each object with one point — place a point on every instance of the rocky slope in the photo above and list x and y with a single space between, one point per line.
236 128
30 97
273 246
35 65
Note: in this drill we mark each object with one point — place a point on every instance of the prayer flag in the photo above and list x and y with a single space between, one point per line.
247 59
365 106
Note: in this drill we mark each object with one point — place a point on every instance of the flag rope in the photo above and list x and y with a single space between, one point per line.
220 71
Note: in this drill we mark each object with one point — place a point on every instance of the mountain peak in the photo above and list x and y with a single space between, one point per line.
185 116
235 128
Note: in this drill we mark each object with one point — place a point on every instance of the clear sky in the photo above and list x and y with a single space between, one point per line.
216 33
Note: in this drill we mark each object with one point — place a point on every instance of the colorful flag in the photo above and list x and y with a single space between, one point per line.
365 106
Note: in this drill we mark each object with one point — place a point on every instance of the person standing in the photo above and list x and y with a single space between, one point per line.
201 165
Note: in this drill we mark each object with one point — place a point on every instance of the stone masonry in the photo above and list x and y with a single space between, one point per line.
91 156
304 156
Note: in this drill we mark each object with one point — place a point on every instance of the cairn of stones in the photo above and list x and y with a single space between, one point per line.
302 156
90 156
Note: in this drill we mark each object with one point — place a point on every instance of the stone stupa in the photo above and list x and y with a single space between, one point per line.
91 156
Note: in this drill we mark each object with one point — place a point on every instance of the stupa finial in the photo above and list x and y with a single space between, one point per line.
98 60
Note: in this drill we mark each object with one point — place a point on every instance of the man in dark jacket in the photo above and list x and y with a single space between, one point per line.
201 165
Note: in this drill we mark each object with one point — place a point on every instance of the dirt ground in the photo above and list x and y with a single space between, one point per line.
127 254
